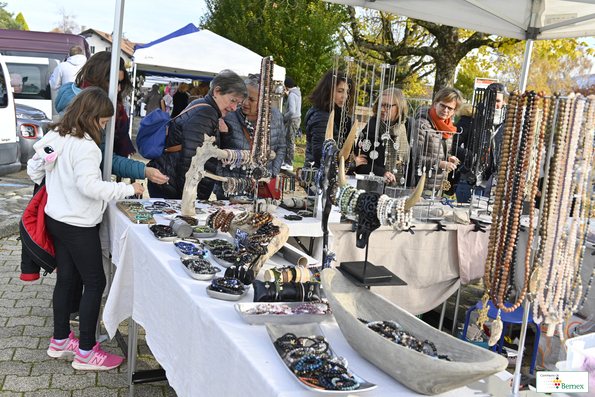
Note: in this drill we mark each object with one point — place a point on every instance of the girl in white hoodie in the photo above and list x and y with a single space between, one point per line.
69 159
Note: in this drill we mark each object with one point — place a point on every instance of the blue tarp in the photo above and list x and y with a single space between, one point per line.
190 28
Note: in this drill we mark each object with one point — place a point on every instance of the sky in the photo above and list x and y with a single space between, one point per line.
142 23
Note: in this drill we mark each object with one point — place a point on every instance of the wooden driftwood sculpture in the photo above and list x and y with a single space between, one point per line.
197 171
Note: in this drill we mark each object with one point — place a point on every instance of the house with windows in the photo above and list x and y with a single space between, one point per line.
101 41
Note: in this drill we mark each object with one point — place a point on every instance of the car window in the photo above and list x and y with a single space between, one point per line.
29 81
3 90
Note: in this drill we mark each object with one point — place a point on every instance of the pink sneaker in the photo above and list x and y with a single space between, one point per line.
68 348
96 360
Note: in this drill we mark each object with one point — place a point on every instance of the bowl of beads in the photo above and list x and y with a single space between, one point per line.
227 288
308 356
255 313
204 232
188 249
199 269
225 256
217 242
163 232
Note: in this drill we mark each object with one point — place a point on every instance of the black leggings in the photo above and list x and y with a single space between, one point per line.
78 255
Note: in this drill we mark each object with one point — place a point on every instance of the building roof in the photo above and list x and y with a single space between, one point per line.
127 45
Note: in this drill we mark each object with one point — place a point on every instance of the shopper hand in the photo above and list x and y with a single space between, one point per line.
223 126
155 176
138 188
447 166
453 159
389 177
360 160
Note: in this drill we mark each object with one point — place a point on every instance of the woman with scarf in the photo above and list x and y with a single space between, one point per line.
435 128
391 159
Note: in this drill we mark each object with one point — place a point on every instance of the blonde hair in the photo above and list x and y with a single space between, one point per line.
449 95
183 87
400 101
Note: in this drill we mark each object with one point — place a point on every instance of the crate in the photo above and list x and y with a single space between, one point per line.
577 349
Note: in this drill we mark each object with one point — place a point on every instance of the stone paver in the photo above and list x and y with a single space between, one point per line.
26 326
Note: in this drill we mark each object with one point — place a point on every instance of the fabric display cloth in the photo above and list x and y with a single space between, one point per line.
432 263
201 342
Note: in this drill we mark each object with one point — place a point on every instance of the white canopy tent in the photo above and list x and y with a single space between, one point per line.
519 19
212 53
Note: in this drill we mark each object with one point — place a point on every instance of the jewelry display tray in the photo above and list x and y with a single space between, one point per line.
277 330
201 277
224 296
261 319
205 235
183 255
220 261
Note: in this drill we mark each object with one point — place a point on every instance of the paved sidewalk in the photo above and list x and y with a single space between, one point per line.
26 325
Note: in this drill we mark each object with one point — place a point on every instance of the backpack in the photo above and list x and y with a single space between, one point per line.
152 133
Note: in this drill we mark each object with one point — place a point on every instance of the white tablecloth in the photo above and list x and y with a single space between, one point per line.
429 261
203 345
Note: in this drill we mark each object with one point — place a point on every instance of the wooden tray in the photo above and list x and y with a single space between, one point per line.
126 210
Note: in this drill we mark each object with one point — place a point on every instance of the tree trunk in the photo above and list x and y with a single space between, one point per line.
445 75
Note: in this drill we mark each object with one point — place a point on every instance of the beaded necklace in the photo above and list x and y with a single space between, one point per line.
261 147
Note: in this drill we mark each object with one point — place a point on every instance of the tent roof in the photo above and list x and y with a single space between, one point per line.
554 19
201 53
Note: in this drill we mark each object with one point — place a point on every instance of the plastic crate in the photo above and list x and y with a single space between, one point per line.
577 349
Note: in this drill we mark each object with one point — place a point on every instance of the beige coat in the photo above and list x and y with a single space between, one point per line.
430 144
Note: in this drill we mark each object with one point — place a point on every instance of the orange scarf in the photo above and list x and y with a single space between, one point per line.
443 125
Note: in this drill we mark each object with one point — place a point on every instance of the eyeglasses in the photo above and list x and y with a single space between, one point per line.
387 106
444 107
234 100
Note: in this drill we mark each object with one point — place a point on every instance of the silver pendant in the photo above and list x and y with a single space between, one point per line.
366 145
424 169
430 173
385 136
244 168
402 181
419 173
396 145
376 144
373 154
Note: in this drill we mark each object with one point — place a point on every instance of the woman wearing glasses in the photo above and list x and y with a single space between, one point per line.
435 128
187 132
389 159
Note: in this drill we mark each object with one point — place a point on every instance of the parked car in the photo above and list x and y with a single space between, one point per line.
9 147
32 124
34 76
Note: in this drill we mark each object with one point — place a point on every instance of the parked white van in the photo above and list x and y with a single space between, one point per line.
9 147
33 74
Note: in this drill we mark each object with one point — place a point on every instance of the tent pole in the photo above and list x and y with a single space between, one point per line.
113 89
133 100
526 64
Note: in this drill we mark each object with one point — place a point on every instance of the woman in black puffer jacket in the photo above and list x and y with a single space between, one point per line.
188 132
335 89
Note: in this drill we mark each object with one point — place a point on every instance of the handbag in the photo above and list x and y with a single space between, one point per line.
271 291
152 133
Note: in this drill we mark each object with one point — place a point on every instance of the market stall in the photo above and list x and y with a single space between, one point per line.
201 341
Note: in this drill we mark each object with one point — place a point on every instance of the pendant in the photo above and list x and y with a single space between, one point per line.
376 144
402 181
534 280
396 145
385 136
430 173
366 145
483 313
424 169
373 154
495 331
419 173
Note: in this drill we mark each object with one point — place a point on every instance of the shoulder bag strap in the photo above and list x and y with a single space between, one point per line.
177 148
247 136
